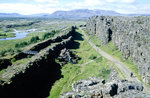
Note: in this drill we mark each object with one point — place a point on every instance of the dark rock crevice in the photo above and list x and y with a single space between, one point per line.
114 89
35 79
36 82
109 35
66 33
4 63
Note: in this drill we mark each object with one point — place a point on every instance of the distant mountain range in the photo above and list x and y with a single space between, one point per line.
80 13
9 15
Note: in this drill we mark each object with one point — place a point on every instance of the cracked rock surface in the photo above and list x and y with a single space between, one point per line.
97 88
131 35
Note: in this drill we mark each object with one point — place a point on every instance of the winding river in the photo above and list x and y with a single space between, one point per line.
19 34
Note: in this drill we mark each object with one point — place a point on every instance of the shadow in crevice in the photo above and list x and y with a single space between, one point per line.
76 37
109 35
35 83
114 89
37 80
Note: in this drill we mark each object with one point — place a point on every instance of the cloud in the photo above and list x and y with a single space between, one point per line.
85 4
121 6
98 4
92 2
128 1
25 8
120 1
111 1
49 6
47 1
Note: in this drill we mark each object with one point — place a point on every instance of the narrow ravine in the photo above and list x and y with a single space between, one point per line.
35 83
34 79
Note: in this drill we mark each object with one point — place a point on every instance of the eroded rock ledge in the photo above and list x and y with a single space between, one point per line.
97 88
50 48
131 35
35 77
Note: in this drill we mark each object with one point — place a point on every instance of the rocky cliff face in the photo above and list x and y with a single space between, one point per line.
131 35
37 47
97 88
35 78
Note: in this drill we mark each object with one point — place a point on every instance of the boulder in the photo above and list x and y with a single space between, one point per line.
97 88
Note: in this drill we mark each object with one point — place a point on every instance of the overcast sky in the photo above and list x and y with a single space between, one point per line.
49 6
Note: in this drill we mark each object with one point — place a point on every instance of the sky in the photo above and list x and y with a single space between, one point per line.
27 7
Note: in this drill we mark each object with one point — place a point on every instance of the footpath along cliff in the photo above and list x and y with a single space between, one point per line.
131 35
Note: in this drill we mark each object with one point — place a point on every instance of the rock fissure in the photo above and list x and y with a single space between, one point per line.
98 89
36 77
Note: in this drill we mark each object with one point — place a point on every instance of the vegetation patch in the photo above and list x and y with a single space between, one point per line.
45 28
3 70
6 35
75 72
115 53
22 61
92 57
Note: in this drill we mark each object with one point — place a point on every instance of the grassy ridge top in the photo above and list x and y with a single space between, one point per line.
90 65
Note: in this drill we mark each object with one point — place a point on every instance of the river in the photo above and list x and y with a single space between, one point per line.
19 34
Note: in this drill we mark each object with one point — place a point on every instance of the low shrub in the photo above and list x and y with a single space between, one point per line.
92 57
13 60
34 39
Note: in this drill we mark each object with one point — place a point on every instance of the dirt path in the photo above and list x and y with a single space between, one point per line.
85 63
124 70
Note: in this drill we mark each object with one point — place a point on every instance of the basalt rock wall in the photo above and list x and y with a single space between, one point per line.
58 38
65 33
35 78
131 35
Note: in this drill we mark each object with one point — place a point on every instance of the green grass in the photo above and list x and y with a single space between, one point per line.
115 53
10 44
7 44
95 40
74 72
7 35
46 24
1 71
22 61
111 49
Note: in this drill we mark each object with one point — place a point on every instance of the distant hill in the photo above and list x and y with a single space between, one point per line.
73 14
83 13
39 15
10 15
19 15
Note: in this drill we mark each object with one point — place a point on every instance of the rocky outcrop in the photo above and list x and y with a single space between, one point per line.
4 63
131 35
65 33
35 77
66 56
97 88
51 51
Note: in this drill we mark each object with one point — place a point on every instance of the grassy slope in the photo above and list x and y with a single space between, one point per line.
110 49
9 44
7 35
73 72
